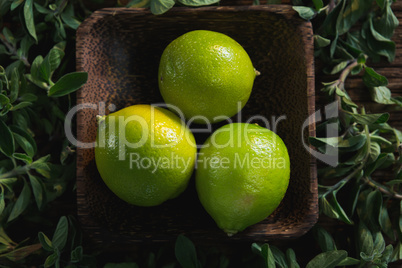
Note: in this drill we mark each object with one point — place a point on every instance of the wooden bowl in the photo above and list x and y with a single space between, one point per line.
120 49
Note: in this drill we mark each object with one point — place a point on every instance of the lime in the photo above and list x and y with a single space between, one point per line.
145 154
242 175
207 75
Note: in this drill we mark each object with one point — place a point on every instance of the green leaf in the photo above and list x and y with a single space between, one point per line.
185 252
388 22
379 242
327 208
60 235
374 79
21 105
68 84
320 41
45 242
369 119
381 95
387 253
2 202
15 85
196 3
385 223
318 4
381 3
38 190
35 68
21 203
267 256
29 97
353 11
23 157
291 258
24 139
161 6
7 145
4 100
324 239
379 44
349 261
21 253
373 209
68 17
54 58
339 67
29 18
339 210
397 253
9 36
349 102
51 260
76 254
374 151
306 13
366 242
327 259
15 4
382 158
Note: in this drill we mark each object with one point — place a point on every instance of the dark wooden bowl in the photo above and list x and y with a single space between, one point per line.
120 49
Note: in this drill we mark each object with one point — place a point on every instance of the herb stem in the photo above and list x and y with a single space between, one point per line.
15 172
382 189
13 51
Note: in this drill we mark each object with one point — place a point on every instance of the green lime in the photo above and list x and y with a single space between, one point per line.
207 75
242 175
145 154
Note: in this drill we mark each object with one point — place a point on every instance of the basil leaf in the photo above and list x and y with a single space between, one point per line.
373 79
29 18
21 203
68 84
327 259
306 13
369 119
379 44
318 4
185 252
45 242
381 95
60 235
324 239
387 23
7 145
38 190
352 12
365 239
23 157
320 41
161 6
291 258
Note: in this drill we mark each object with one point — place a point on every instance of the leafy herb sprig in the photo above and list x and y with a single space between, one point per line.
36 161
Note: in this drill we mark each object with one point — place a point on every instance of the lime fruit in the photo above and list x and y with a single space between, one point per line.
145 154
242 175
207 75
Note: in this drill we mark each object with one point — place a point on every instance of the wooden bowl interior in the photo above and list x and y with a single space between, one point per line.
120 49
